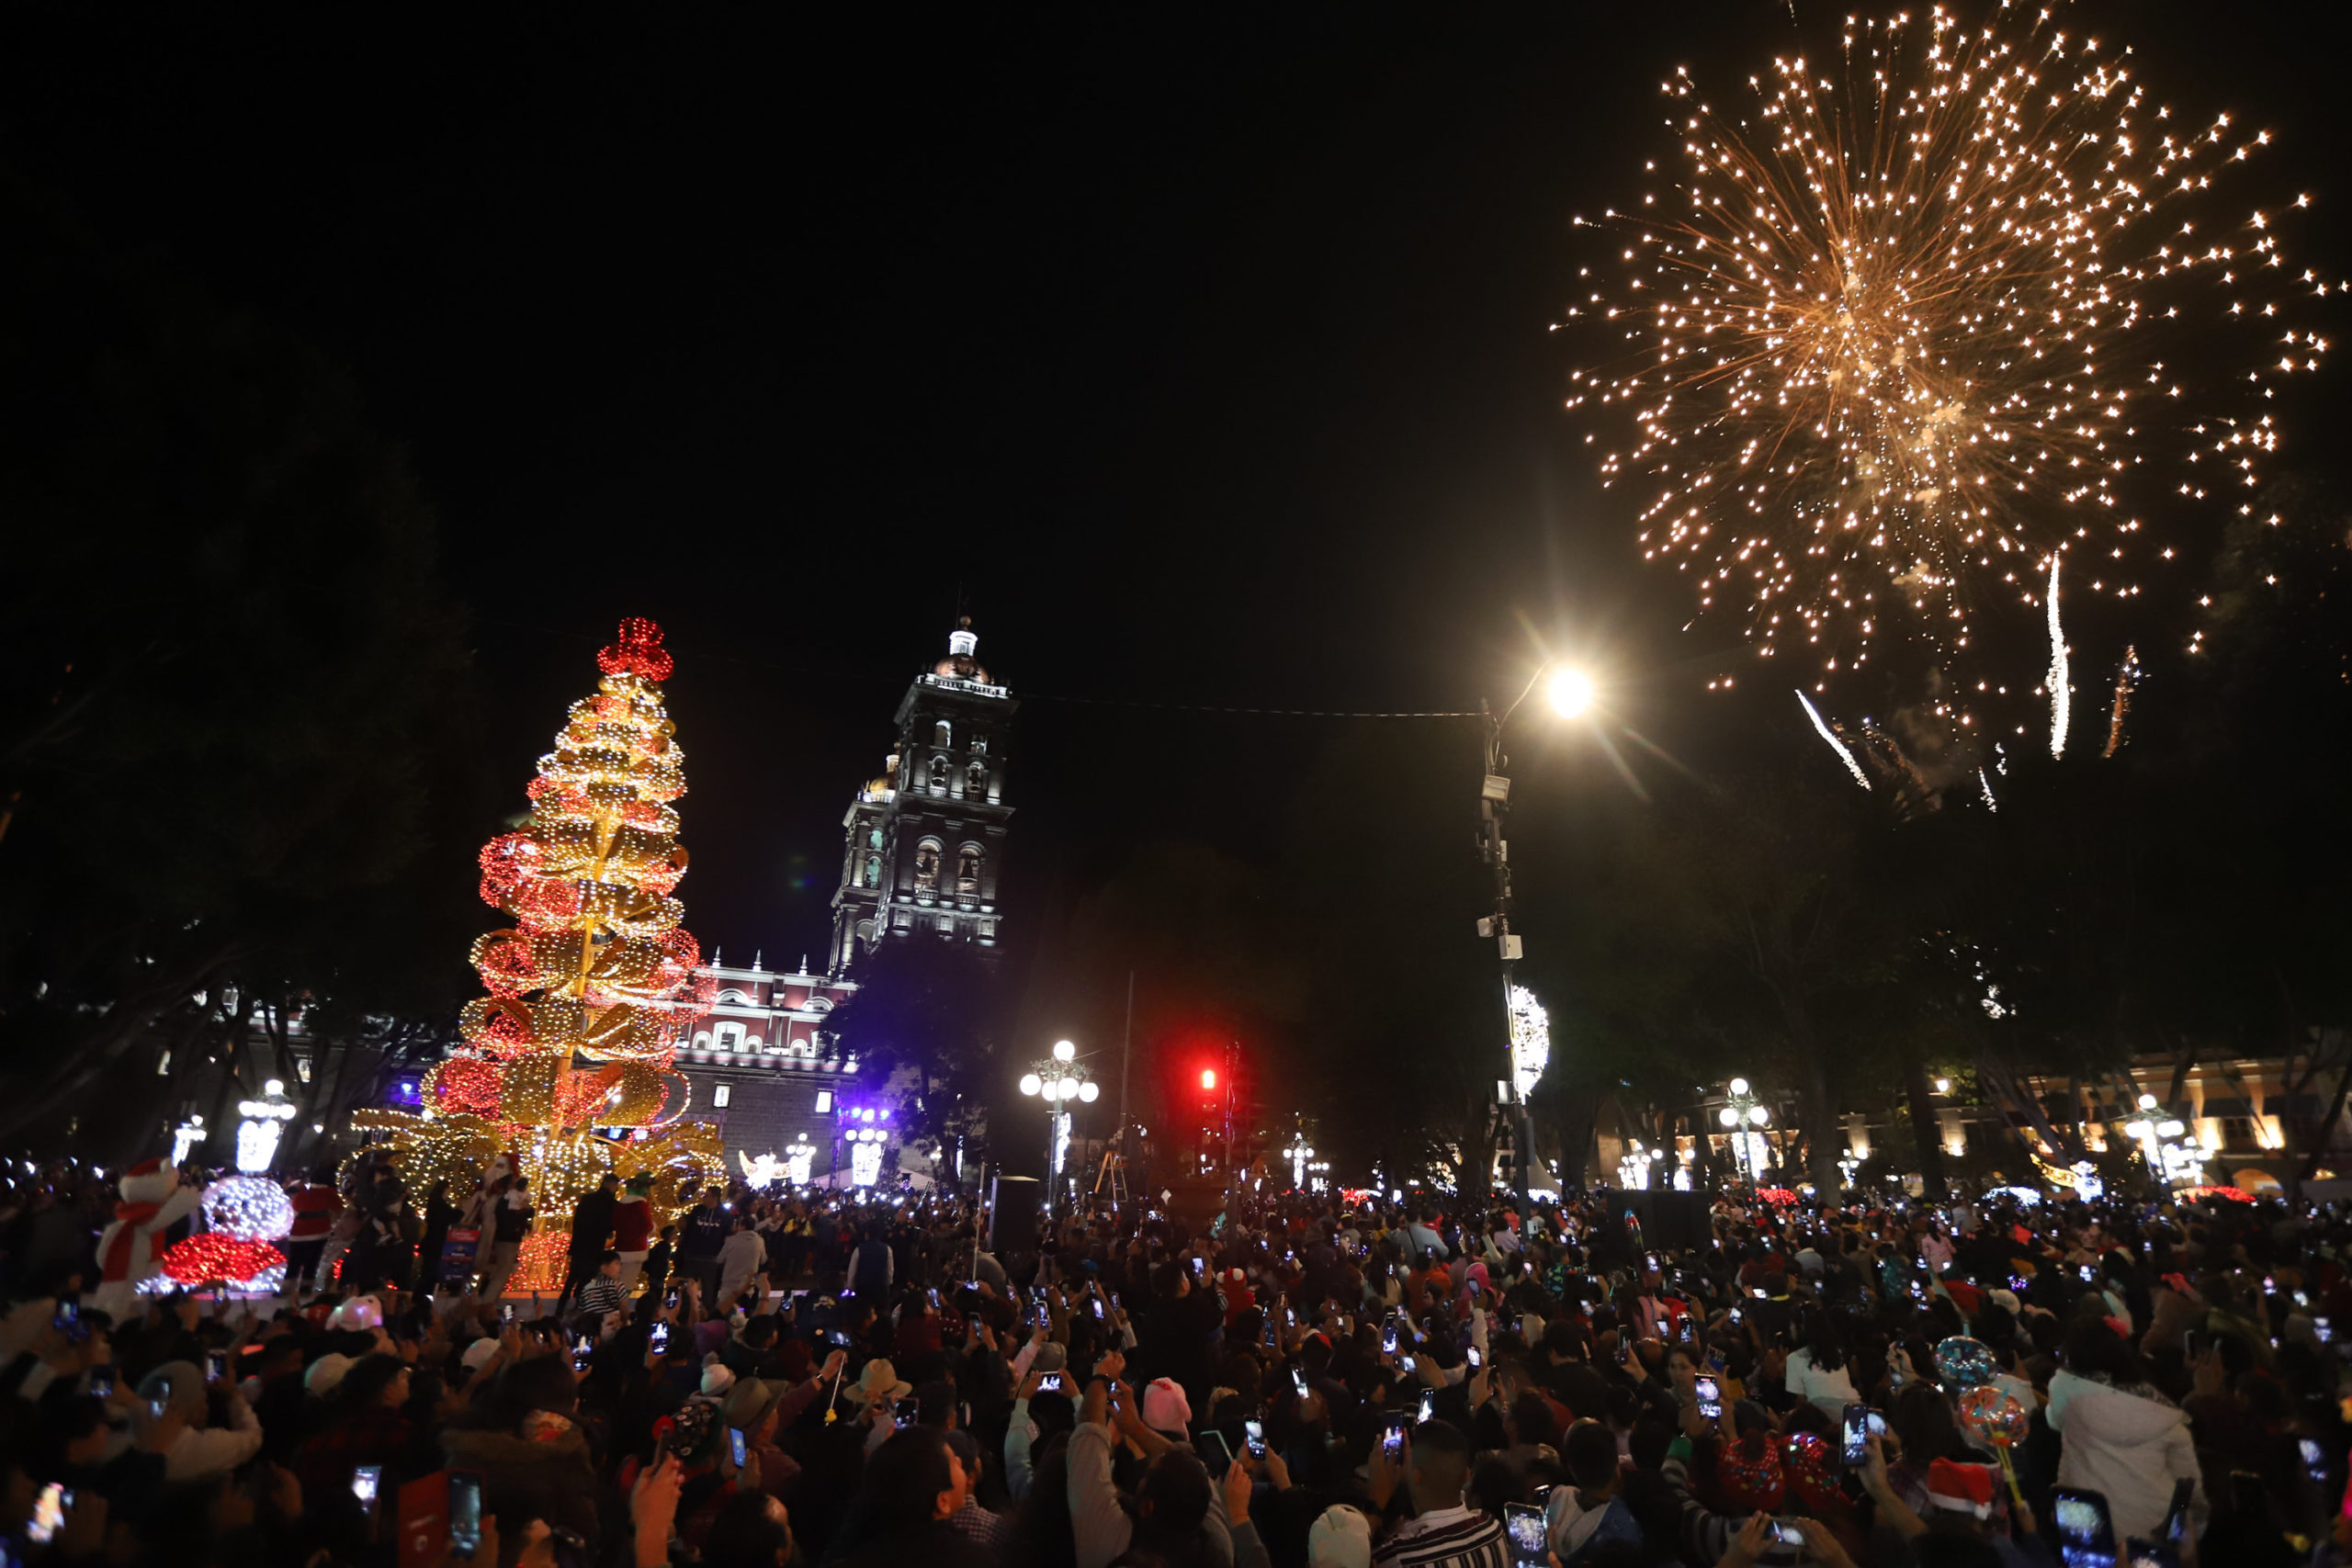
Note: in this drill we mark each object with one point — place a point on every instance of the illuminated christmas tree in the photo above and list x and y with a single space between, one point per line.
566 1066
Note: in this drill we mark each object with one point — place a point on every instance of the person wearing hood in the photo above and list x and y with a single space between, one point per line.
1589 1518
633 1228
2121 1437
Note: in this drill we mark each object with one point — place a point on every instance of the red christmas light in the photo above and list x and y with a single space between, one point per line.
636 651
214 1258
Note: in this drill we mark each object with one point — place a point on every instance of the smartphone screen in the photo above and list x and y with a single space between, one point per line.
903 1415
1711 1398
48 1513
2314 1462
1734 1314
1470 1356
102 1380
659 1340
1388 1338
2085 1531
2089 1273
934 1298
1253 1435
1049 1383
837 1338
669 1299
507 1311
1854 1449
1429 1404
1098 1309
1216 1451
366 1480
1786 1532
1298 1380
1524 1525
465 1513
1392 1436
582 1352
735 1445
216 1364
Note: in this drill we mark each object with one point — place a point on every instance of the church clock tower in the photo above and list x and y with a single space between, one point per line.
924 844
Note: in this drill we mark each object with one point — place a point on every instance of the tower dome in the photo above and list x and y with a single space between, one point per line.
961 662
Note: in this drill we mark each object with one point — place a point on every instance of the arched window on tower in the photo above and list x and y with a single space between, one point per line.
927 866
939 734
976 778
874 871
967 872
939 774
874 837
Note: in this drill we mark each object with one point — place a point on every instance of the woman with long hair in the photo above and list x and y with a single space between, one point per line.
2122 1435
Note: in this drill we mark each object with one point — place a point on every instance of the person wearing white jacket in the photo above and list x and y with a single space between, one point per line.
2121 1436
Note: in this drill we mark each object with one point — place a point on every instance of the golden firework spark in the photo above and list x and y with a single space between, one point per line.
1889 348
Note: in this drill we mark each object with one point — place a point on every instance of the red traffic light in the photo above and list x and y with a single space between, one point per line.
1208 1077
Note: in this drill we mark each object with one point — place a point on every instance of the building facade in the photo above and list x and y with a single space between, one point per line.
923 843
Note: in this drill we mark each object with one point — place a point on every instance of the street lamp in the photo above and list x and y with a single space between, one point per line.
263 1121
1060 1082
1741 1117
1571 694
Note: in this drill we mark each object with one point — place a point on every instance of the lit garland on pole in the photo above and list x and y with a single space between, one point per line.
592 989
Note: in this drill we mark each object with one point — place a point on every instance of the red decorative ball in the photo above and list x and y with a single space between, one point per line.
637 651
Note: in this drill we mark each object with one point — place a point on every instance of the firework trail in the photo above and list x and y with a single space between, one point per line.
1845 754
2060 701
1906 331
2127 677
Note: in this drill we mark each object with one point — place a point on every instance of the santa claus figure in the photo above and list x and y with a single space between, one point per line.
153 1202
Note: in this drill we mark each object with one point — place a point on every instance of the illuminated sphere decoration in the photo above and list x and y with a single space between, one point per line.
248 1208
1965 1363
1993 1416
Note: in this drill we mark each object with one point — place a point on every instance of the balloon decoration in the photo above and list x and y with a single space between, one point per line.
1994 1418
1963 1363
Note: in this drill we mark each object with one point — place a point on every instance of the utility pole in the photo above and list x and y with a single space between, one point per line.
1126 1058
1494 801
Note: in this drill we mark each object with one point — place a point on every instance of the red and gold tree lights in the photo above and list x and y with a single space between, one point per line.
592 987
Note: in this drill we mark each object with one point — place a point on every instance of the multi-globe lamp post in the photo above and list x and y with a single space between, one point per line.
1742 1116
1299 1153
1060 1082
2174 1158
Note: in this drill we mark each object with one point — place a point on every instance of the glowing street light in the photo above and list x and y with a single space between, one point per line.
1570 691
1060 1082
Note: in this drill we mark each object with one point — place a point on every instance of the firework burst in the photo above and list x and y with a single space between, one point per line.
1916 330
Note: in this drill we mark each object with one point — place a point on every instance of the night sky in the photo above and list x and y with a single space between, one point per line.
1204 358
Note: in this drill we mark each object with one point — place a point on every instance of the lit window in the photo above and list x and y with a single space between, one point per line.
824 1101
719 1096
946 925
303 1068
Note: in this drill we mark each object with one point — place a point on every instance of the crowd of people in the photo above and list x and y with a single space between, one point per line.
1330 1380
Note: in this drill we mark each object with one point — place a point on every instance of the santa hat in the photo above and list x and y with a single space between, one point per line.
1165 1408
148 1181
1965 1488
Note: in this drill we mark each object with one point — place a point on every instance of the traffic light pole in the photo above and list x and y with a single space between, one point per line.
1494 802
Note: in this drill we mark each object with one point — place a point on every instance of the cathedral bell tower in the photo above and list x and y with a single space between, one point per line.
924 842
